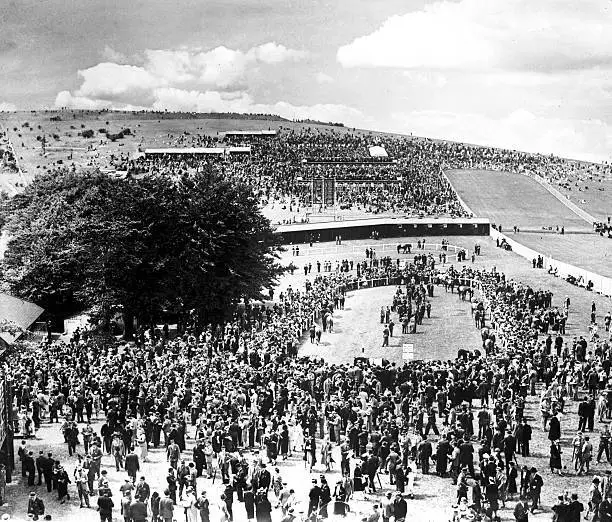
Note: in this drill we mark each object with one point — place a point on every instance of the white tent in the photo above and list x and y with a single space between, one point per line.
376 151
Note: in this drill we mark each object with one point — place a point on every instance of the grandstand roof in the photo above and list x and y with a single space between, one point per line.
250 133
216 151
188 150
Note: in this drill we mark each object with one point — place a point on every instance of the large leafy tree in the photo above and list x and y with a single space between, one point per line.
87 240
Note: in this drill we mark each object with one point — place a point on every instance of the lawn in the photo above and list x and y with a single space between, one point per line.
512 199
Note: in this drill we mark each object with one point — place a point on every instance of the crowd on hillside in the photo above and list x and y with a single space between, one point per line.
408 180
241 391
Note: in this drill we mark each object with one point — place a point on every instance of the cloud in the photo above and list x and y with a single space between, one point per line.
195 80
322 78
214 101
589 140
272 53
180 100
7 107
547 35
111 55
115 82
119 82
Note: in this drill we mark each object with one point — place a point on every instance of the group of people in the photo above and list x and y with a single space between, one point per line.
247 399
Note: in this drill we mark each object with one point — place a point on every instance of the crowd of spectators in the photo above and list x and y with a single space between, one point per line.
243 386
408 180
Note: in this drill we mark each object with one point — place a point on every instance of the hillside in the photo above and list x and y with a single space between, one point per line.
50 139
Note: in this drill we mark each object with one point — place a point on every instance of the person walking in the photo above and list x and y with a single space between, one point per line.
105 507
386 334
166 507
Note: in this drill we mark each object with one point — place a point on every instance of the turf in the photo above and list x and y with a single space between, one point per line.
588 251
512 200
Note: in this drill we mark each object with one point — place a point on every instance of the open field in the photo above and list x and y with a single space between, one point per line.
594 196
65 144
358 330
588 251
511 199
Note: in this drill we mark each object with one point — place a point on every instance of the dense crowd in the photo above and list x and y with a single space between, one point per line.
242 386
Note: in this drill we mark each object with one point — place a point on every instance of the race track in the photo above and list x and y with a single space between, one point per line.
512 199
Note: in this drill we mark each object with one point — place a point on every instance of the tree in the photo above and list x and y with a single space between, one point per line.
90 241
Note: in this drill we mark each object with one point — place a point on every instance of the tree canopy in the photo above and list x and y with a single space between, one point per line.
90 241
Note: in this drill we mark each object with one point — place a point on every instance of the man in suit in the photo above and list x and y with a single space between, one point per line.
314 496
48 471
265 479
40 466
400 508
138 510
30 467
132 464
523 436
424 452
166 507
466 456
371 468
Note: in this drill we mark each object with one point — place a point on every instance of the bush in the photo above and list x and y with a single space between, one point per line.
102 130
88 133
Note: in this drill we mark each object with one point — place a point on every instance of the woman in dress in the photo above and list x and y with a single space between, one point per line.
555 457
191 505
297 438
284 441
326 448
62 484
512 476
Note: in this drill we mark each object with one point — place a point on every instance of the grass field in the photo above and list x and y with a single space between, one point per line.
510 199
588 251
594 196
148 130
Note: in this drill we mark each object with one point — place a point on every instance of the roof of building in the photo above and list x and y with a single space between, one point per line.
17 311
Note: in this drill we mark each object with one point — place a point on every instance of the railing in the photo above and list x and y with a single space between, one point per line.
378 247
601 284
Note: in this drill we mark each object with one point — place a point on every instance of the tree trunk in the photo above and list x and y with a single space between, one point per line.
128 325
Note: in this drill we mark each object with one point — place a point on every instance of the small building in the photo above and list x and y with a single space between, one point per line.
16 316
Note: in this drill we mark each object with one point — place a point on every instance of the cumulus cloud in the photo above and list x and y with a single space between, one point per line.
194 80
547 35
589 140
117 82
272 52
7 107
112 55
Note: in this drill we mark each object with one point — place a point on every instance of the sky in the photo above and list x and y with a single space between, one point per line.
520 74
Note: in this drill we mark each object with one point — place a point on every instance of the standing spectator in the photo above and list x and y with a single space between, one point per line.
36 506
166 507
105 507
132 464
535 488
